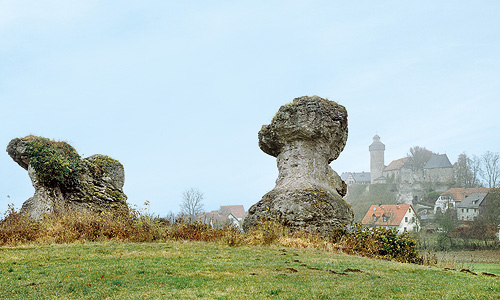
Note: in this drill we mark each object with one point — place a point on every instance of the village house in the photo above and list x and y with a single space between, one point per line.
400 216
452 197
351 178
468 209
227 214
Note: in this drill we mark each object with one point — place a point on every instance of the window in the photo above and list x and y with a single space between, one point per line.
404 229
386 218
467 210
406 220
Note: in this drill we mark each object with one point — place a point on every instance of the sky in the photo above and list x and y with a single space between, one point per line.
178 90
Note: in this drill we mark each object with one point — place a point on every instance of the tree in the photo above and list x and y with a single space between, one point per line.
381 193
447 224
418 157
491 169
491 211
467 171
192 204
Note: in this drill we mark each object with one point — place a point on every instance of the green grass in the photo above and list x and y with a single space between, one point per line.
477 261
489 268
200 270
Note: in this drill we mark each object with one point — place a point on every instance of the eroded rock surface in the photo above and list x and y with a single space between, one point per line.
305 136
64 181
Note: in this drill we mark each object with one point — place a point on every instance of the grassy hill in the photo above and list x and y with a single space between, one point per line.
202 270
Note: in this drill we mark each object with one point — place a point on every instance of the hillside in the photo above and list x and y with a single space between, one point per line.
199 270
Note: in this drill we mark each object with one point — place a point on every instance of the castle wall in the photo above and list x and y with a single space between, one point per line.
392 175
439 175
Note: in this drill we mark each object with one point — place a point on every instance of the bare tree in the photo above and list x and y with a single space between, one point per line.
475 169
491 171
192 204
467 171
418 157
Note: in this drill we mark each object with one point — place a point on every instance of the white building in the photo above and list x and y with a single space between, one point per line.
453 197
400 216
468 209
227 214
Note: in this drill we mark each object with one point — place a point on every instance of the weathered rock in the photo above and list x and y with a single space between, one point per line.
305 136
64 181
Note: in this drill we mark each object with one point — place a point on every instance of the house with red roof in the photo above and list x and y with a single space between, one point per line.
400 216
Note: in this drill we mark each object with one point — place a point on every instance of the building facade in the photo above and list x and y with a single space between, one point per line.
468 209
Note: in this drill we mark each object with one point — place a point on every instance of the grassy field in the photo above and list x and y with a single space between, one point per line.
477 261
201 270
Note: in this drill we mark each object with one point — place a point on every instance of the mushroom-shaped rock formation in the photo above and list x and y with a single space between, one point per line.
63 181
305 136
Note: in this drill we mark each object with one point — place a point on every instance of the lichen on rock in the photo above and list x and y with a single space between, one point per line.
305 136
64 181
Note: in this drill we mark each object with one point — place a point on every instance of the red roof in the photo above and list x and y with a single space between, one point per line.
396 164
386 214
459 194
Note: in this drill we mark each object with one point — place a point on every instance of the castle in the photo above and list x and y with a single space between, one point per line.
437 169
410 184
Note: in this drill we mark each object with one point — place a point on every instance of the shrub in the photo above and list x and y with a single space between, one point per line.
266 233
16 228
56 164
382 243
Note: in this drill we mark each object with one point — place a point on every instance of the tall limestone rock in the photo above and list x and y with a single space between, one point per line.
305 136
63 181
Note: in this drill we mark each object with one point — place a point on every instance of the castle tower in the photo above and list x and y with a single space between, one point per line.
376 158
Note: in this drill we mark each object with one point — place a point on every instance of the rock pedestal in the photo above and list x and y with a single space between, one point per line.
94 183
305 136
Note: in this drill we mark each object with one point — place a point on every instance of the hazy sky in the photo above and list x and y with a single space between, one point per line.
178 90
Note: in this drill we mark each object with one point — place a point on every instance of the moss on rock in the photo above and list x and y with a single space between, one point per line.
63 180
57 164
